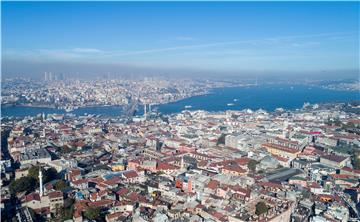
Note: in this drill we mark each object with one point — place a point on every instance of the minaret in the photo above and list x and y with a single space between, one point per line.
41 182
145 110
182 163
44 133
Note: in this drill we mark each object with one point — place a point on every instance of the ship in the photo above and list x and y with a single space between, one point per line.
230 104
188 107
69 109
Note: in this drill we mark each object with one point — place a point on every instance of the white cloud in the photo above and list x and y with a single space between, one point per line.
90 54
184 38
86 50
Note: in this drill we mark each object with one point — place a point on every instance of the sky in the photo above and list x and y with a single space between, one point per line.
229 37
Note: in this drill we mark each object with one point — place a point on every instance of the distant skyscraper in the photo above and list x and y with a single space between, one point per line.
49 76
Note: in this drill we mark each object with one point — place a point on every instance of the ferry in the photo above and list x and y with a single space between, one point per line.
69 109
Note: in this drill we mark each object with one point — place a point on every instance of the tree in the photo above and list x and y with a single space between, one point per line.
59 185
160 172
252 165
92 213
66 212
261 208
48 174
34 172
22 184
221 139
356 159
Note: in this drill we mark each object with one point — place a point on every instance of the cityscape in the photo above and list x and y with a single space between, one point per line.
151 111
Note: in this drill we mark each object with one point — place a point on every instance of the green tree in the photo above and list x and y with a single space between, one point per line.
48 174
261 208
356 159
65 149
92 213
160 172
66 212
221 139
252 165
22 184
59 185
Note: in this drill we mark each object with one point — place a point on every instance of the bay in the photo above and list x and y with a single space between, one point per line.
268 97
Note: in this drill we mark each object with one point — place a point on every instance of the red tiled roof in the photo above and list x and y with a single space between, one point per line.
234 168
334 158
166 166
348 169
55 194
101 203
133 196
130 174
213 184
279 147
113 181
32 196
242 160
78 182
122 191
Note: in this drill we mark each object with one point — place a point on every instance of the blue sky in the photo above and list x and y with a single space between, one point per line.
228 36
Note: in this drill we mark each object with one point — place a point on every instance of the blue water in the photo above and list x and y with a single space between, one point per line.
20 111
268 97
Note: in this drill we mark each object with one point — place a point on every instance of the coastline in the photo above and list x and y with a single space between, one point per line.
266 96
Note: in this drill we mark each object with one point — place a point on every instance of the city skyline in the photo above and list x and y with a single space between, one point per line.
116 37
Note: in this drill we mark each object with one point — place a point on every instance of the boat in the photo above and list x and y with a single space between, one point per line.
230 104
188 107
235 100
69 109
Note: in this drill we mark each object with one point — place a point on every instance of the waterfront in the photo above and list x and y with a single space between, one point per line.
268 97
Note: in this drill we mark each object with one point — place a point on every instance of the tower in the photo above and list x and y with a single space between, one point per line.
145 109
43 133
182 163
41 182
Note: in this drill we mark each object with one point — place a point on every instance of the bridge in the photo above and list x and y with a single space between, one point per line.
129 109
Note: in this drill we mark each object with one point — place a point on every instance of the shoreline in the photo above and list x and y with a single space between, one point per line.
97 106
172 107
